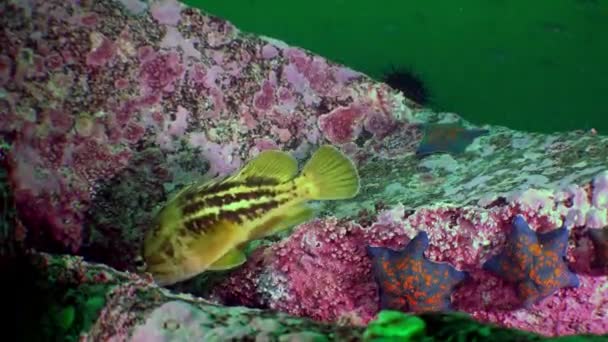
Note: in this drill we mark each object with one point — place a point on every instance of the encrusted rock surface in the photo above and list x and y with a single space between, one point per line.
92 302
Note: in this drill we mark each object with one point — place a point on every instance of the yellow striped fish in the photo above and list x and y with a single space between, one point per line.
205 226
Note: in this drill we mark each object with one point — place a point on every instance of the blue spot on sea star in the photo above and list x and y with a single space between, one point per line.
534 262
408 281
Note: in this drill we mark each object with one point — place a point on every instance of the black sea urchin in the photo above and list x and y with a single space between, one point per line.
407 82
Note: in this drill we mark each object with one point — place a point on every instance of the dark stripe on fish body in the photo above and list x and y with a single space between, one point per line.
209 200
204 224
214 188
256 210
167 248
252 182
201 224
227 185
251 212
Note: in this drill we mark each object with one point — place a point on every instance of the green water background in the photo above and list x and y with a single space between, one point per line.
538 65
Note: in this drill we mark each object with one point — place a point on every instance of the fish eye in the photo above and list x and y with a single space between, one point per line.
140 264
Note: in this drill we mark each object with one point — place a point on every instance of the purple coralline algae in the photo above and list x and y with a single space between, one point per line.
148 104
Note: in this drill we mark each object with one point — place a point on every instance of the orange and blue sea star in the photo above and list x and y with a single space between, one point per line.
408 281
534 262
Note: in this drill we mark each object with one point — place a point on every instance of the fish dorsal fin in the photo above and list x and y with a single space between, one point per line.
194 186
205 182
270 164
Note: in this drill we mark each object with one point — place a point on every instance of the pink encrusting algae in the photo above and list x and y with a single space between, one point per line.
148 92
332 253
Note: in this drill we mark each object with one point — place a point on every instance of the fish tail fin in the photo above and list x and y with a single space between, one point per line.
329 175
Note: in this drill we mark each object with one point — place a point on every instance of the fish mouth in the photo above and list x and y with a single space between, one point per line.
161 278
167 279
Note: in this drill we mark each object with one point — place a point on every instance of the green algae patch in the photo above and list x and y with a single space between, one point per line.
395 326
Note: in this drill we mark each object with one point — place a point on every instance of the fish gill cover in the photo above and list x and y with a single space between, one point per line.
109 107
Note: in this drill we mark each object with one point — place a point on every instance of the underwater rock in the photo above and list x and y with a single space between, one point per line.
98 303
109 107
332 252
119 306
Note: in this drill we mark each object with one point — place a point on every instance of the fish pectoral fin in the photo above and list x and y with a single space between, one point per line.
292 217
271 164
206 250
233 258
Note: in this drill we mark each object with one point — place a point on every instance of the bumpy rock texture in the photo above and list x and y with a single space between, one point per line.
107 305
81 301
109 110
107 107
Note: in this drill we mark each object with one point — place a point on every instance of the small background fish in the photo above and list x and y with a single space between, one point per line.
206 225
447 138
